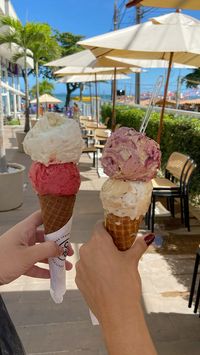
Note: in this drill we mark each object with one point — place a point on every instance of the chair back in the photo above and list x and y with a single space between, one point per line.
176 165
107 120
91 125
118 125
187 174
101 134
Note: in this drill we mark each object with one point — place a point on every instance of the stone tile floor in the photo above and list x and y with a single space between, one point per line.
49 329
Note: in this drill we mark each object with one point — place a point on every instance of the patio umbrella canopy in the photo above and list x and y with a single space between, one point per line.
172 37
90 78
86 62
46 99
85 59
86 70
177 4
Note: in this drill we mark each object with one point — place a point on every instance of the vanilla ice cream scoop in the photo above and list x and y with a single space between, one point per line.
53 140
126 198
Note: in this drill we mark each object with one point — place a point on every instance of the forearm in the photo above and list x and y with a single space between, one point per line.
127 333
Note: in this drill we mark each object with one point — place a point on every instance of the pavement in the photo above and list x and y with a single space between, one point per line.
166 269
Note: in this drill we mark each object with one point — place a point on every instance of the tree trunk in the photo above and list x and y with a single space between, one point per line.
37 90
68 95
70 88
27 122
3 163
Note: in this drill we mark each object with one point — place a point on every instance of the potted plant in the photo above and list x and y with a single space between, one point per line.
11 175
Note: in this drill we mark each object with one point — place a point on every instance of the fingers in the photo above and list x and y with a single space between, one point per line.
36 218
140 246
43 251
101 233
70 251
38 272
39 237
68 265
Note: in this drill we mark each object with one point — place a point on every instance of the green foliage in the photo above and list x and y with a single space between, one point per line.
192 79
181 134
68 42
13 122
45 87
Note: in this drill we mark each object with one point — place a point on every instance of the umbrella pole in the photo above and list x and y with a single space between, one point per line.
114 101
91 110
164 98
96 94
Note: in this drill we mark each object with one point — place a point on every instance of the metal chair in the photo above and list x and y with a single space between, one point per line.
174 185
194 279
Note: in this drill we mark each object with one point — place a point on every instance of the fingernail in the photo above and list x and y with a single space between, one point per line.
149 239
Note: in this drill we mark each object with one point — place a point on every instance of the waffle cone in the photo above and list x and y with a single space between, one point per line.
56 211
123 230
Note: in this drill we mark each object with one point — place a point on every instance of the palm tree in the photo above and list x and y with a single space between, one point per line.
23 36
45 87
42 52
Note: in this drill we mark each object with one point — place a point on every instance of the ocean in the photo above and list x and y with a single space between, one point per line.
62 97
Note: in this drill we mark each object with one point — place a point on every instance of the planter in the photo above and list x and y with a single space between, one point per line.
11 187
20 135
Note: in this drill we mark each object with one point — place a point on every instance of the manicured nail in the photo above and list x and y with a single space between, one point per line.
149 239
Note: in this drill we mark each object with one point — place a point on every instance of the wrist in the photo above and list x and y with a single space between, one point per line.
126 332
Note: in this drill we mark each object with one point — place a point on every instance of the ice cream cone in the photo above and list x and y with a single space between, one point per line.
122 229
56 211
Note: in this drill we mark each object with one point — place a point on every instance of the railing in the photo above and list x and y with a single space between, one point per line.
176 112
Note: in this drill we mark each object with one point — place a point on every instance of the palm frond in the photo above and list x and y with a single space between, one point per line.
15 24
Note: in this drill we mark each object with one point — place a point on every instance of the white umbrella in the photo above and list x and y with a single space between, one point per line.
90 78
177 4
87 63
46 99
173 37
85 59
88 70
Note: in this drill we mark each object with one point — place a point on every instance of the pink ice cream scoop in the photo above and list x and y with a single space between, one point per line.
130 155
55 179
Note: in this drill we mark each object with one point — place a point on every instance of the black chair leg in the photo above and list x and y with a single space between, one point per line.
153 213
168 204
194 277
148 217
172 206
182 211
186 212
197 299
94 159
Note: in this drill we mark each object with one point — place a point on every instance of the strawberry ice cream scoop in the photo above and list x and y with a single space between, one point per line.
130 155
55 179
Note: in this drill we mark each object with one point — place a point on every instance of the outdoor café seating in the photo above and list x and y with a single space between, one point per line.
195 279
100 137
175 185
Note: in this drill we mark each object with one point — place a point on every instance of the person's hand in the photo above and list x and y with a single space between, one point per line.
107 276
111 285
23 246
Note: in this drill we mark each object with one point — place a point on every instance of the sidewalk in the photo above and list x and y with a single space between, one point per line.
49 329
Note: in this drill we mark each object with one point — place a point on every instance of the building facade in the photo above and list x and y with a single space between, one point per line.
10 92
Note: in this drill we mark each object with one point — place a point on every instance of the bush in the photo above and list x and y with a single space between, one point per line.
181 134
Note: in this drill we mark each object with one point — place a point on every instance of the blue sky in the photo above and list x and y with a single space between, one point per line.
90 18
